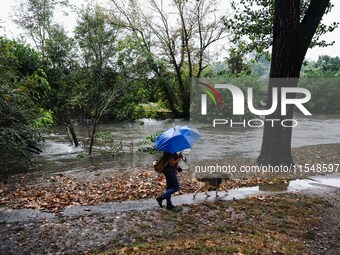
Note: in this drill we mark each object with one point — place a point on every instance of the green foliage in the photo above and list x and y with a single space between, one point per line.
43 120
21 90
129 111
107 142
260 68
325 66
321 78
325 94
36 18
155 111
225 110
82 155
126 68
96 37
252 22
137 67
148 144
236 65
59 49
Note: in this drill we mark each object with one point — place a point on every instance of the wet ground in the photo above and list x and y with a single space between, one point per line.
78 229
327 239
316 185
91 229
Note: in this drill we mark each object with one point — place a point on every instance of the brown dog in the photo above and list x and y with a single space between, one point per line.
207 183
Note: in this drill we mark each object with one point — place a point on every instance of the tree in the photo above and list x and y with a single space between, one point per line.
23 85
325 66
236 65
60 54
291 39
97 39
51 41
319 80
129 18
36 17
59 49
252 25
176 37
289 27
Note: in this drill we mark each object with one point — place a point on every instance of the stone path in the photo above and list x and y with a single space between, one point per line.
314 184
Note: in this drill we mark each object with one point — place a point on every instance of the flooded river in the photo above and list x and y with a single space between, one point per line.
59 155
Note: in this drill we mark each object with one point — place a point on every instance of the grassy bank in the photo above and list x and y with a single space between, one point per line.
282 224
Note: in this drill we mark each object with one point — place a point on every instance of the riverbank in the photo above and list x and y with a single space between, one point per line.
55 192
294 223
281 224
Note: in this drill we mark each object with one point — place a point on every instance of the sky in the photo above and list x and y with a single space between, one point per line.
12 31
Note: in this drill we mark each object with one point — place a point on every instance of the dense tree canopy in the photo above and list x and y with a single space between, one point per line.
252 25
23 87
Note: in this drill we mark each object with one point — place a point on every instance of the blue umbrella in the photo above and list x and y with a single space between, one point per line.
177 139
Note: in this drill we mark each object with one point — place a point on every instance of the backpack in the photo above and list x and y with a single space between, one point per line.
160 163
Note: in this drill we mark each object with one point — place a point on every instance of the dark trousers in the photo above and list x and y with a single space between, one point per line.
172 185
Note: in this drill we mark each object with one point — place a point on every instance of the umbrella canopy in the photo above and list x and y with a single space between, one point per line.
177 139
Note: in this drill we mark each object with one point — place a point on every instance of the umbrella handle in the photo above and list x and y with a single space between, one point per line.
183 157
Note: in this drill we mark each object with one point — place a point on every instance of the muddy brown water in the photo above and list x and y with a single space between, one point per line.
60 155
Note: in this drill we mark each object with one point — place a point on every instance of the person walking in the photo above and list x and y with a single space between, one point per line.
170 173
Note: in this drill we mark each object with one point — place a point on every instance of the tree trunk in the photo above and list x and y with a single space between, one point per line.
183 95
165 86
169 97
72 134
276 144
291 40
92 137
69 126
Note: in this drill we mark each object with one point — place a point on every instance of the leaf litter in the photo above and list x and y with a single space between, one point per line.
55 192
288 224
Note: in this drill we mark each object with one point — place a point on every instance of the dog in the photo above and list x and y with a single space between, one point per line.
206 183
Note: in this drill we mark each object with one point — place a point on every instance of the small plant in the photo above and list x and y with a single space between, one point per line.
82 155
107 143
148 145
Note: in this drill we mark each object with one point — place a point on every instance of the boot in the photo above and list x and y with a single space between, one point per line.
170 206
160 200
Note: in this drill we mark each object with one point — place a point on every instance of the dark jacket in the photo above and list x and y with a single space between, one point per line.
168 169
